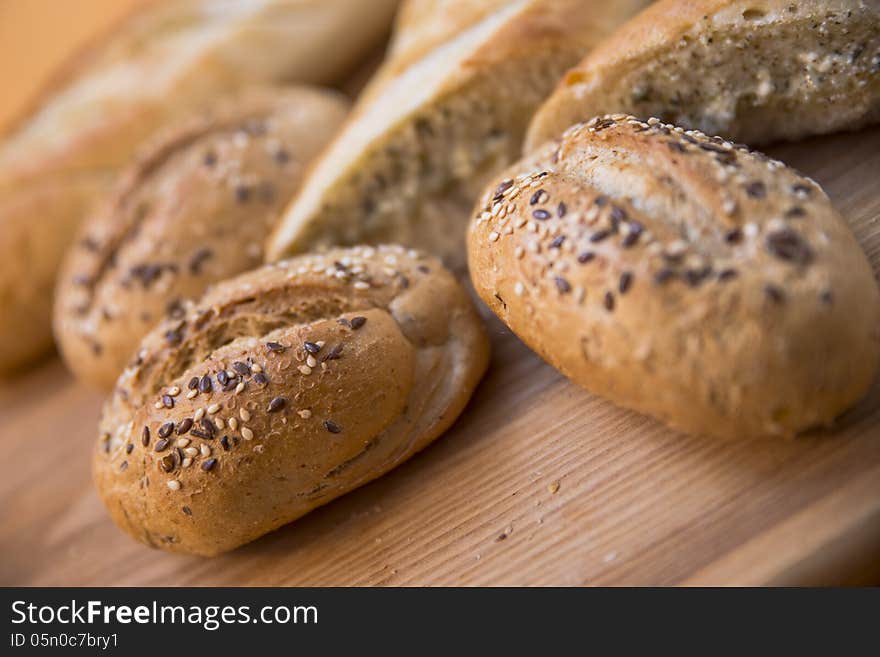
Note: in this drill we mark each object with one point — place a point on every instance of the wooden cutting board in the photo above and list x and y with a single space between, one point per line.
538 483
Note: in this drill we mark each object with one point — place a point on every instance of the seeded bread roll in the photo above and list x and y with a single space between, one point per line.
681 276
193 211
755 71
447 111
283 389
166 60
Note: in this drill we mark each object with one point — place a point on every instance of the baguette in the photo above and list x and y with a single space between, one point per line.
681 276
290 386
166 60
755 71
447 110
192 211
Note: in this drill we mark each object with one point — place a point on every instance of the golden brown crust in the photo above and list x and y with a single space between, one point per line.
193 210
754 71
681 276
283 389
447 110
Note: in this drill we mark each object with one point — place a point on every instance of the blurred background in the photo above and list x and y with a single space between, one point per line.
36 36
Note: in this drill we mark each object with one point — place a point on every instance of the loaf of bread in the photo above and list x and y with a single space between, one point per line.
194 210
166 60
447 111
755 71
283 389
681 276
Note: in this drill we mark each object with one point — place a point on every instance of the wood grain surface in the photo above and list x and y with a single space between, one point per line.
538 483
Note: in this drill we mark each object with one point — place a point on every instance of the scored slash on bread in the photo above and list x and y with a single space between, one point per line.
193 210
685 277
283 389
755 71
447 110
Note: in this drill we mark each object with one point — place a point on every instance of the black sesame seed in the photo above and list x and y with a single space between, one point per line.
503 187
601 200
617 216
541 215
625 283
242 368
787 245
281 156
827 297
694 277
184 426
630 240
275 347
357 322
586 257
123 466
129 448
166 429
193 383
205 384
727 275
332 427
538 197
276 404
168 401
186 511
261 379
209 464
334 353
161 445
733 236
343 321
795 212
198 433
242 193
756 189
562 285
224 442
208 427
145 436
561 210
172 337
609 302
774 293
676 147
557 242
210 159
424 269
311 347
664 276
599 236
222 377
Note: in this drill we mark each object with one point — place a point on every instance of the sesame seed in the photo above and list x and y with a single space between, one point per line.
183 442
787 245
311 362
233 423
222 377
538 197
733 236
541 215
305 370
205 384
244 414
275 347
239 388
599 236
332 427
562 285
334 353
727 275
519 252
260 379
519 289
247 434
129 448
493 236
224 442
161 445
184 426
199 414
219 423
241 368
166 429
361 285
311 347
586 257
204 450
625 283
276 404
209 464
145 436
561 210
173 391
774 293
609 302
358 322
173 484
158 405
192 394
756 189
256 368
213 408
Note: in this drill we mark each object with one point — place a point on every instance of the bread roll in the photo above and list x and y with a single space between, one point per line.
448 110
192 211
681 276
166 60
755 71
283 389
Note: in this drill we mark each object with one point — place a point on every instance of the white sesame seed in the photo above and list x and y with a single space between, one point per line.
239 388
192 394
311 362
259 449
173 391
183 442
256 368
247 434
305 414
361 285
305 370
220 423
205 450
213 408
199 414
245 414
187 462
158 405
191 451
519 289
493 236
233 423
231 374
519 252
320 344
173 484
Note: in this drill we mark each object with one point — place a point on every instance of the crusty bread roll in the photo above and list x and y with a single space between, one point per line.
755 71
281 390
166 60
194 210
681 276
448 110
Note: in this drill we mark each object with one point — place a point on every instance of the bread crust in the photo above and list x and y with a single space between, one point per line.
681 276
165 60
447 110
755 71
340 367
193 210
